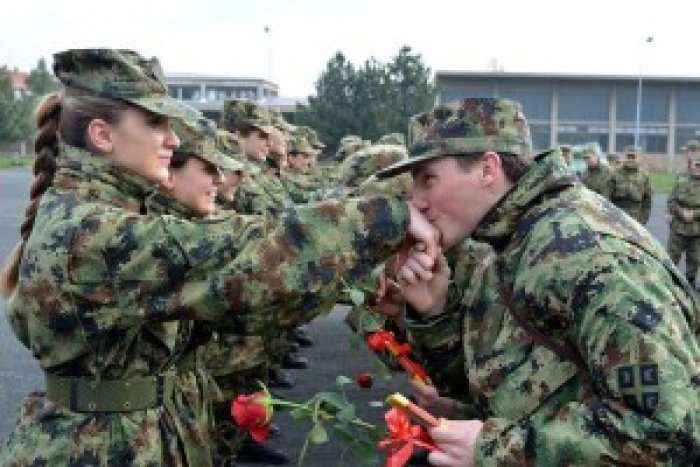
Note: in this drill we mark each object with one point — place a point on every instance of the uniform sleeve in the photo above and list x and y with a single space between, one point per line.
672 203
632 326
298 263
246 270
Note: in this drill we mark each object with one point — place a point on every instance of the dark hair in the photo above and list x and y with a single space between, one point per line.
179 160
67 115
513 166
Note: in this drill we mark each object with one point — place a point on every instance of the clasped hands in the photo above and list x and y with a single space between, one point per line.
419 276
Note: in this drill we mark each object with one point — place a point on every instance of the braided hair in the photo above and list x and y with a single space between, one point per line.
61 116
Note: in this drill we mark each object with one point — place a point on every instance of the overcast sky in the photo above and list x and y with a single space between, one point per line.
228 38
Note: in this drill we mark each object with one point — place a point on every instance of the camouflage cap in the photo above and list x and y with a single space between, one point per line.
228 145
311 136
198 138
393 138
613 156
564 148
367 161
118 74
692 145
299 144
240 113
468 126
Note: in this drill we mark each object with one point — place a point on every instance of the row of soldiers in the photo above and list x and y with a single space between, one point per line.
268 165
629 187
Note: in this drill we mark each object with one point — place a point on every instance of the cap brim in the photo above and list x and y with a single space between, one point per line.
405 165
167 106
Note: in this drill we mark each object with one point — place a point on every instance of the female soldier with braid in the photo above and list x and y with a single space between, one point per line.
94 270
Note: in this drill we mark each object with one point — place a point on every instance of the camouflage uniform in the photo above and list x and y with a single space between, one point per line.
685 236
631 191
583 350
105 294
599 179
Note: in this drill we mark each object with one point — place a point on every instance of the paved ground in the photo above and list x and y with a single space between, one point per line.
330 357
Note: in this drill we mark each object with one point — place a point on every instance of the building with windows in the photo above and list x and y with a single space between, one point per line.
207 93
578 108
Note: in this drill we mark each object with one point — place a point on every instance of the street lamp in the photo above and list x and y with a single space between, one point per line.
648 40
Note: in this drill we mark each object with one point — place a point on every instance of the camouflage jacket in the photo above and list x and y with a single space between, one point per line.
593 282
631 191
686 195
301 187
261 193
97 270
438 342
599 179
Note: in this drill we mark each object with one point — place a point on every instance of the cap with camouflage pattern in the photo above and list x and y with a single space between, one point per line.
465 127
239 113
311 136
393 138
299 144
366 162
118 74
198 138
565 148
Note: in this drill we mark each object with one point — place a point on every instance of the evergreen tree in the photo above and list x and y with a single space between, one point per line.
40 80
370 100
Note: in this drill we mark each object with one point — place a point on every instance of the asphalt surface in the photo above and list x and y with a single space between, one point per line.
331 356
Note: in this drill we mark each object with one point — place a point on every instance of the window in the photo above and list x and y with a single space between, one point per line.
688 105
535 99
583 102
540 137
652 139
468 90
655 101
576 135
172 90
190 93
683 135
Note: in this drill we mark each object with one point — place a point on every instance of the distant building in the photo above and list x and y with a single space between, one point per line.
208 93
578 108
18 83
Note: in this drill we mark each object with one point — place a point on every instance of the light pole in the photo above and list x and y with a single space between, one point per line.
648 40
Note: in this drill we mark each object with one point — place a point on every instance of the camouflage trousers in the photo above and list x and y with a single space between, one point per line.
679 244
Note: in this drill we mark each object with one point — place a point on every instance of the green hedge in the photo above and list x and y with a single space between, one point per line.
10 162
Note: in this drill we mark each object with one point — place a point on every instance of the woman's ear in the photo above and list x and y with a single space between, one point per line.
490 167
100 136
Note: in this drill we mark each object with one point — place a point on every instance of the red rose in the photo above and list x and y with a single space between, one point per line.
364 380
403 438
253 412
380 340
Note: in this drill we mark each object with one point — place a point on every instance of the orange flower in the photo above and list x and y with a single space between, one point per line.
384 341
253 412
403 438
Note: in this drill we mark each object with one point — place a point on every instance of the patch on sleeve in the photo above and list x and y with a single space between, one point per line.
639 385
